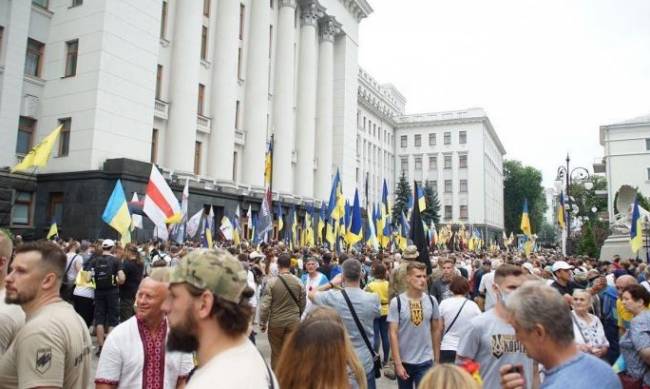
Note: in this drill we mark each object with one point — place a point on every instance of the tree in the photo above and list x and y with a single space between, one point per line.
402 193
546 235
432 212
522 182
586 199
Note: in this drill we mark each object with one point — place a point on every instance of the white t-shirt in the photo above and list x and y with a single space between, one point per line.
122 359
240 367
448 309
71 264
250 280
486 287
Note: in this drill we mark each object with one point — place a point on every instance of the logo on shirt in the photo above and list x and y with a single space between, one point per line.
43 359
502 344
416 312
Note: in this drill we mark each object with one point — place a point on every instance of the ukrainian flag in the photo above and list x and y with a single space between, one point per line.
636 228
116 214
336 206
422 203
560 212
385 218
280 221
525 220
355 231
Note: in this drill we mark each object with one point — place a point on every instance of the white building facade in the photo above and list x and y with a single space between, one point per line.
198 87
626 157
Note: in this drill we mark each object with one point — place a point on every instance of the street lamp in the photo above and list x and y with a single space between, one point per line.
566 174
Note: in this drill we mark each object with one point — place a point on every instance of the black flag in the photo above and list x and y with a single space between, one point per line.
417 234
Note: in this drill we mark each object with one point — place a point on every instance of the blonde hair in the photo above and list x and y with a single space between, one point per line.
448 376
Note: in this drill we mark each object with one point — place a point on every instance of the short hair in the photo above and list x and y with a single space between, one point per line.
351 269
233 318
459 285
284 261
535 303
448 376
448 260
6 245
507 270
379 271
51 255
415 265
638 292
327 258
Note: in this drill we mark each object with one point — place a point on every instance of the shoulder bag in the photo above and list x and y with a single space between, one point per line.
293 296
376 359
456 317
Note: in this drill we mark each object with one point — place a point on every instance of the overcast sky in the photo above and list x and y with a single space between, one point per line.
548 72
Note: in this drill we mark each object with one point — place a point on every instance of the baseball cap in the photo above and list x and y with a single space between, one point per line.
214 270
108 243
560 265
255 255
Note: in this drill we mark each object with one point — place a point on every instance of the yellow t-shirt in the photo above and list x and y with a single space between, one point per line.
380 288
624 316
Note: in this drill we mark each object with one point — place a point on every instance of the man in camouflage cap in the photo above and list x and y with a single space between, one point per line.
209 312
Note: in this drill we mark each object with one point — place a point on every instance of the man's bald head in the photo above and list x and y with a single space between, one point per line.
149 300
624 281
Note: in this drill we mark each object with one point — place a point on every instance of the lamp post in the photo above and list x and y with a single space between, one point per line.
566 174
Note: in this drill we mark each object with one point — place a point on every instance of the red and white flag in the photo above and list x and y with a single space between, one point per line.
160 204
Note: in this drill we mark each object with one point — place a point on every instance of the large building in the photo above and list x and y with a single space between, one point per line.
198 88
626 159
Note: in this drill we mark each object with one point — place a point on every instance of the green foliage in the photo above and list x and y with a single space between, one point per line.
432 212
522 182
402 193
586 199
593 235
546 234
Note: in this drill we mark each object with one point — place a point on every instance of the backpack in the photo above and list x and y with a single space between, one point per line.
103 276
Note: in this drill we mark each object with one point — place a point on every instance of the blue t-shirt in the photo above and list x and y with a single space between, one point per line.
584 371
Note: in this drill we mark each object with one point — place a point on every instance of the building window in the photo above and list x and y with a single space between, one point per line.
463 211
72 50
21 212
204 42
418 140
55 209
448 184
159 76
447 162
462 137
163 20
432 139
41 3
447 138
34 57
64 137
462 161
404 165
463 186
206 8
239 55
242 12
433 185
402 140
199 109
197 158
154 146
418 163
76 3
433 162
26 127
447 212
237 105
647 141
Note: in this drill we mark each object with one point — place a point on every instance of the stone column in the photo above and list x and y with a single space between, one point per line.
180 134
256 99
283 99
325 106
224 91
306 110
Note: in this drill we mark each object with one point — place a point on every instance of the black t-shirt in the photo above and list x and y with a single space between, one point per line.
568 289
133 272
115 264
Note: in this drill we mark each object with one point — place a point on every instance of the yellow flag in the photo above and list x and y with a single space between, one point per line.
54 231
40 154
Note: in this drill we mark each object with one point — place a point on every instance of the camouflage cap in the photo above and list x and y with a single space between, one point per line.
214 270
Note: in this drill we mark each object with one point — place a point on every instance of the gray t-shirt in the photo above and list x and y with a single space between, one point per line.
491 342
414 322
367 307
636 339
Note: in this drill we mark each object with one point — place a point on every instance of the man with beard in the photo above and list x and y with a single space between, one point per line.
53 348
209 312
134 353
11 316
440 287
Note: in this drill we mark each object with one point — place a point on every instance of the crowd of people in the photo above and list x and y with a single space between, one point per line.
180 316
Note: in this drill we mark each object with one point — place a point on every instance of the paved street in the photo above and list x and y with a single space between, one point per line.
263 345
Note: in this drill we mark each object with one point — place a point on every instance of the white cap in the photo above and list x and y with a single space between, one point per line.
108 243
528 266
255 255
560 265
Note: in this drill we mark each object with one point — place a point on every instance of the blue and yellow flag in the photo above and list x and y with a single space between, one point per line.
561 212
294 228
336 206
321 223
525 220
355 230
422 203
116 213
383 227
636 228
372 235
280 219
